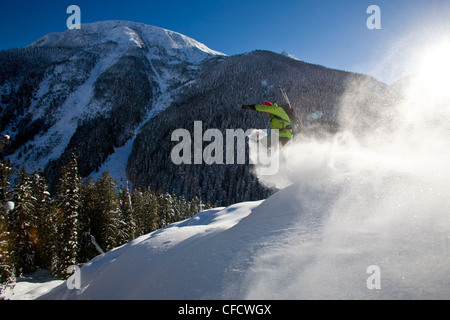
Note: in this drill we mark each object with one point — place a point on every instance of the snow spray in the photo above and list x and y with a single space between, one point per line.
373 207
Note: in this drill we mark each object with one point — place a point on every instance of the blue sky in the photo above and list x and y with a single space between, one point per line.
326 32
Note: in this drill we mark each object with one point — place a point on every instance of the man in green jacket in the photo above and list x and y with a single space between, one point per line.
279 119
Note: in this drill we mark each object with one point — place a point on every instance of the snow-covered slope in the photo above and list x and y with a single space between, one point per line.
206 257
302 243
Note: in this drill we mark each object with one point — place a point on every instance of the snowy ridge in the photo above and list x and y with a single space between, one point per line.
126 33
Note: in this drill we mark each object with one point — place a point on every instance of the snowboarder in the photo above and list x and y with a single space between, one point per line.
279 119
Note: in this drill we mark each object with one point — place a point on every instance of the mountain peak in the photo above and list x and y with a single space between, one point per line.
128 35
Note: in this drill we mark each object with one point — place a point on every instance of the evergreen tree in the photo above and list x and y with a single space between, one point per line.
68 201
5 173
195 206
46 223
106 226
166 210
153 218
23 225
179 207
86 218
145 208
138 201
7 269
128 224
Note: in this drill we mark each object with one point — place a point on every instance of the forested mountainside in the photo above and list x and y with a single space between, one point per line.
215 98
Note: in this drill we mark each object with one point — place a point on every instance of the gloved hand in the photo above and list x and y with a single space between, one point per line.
248 106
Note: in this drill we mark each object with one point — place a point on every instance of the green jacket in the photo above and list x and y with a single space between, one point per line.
280 120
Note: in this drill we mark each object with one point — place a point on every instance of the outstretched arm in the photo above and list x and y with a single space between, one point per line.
261 107
274 110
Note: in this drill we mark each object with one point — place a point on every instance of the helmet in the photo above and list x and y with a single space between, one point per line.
268 103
